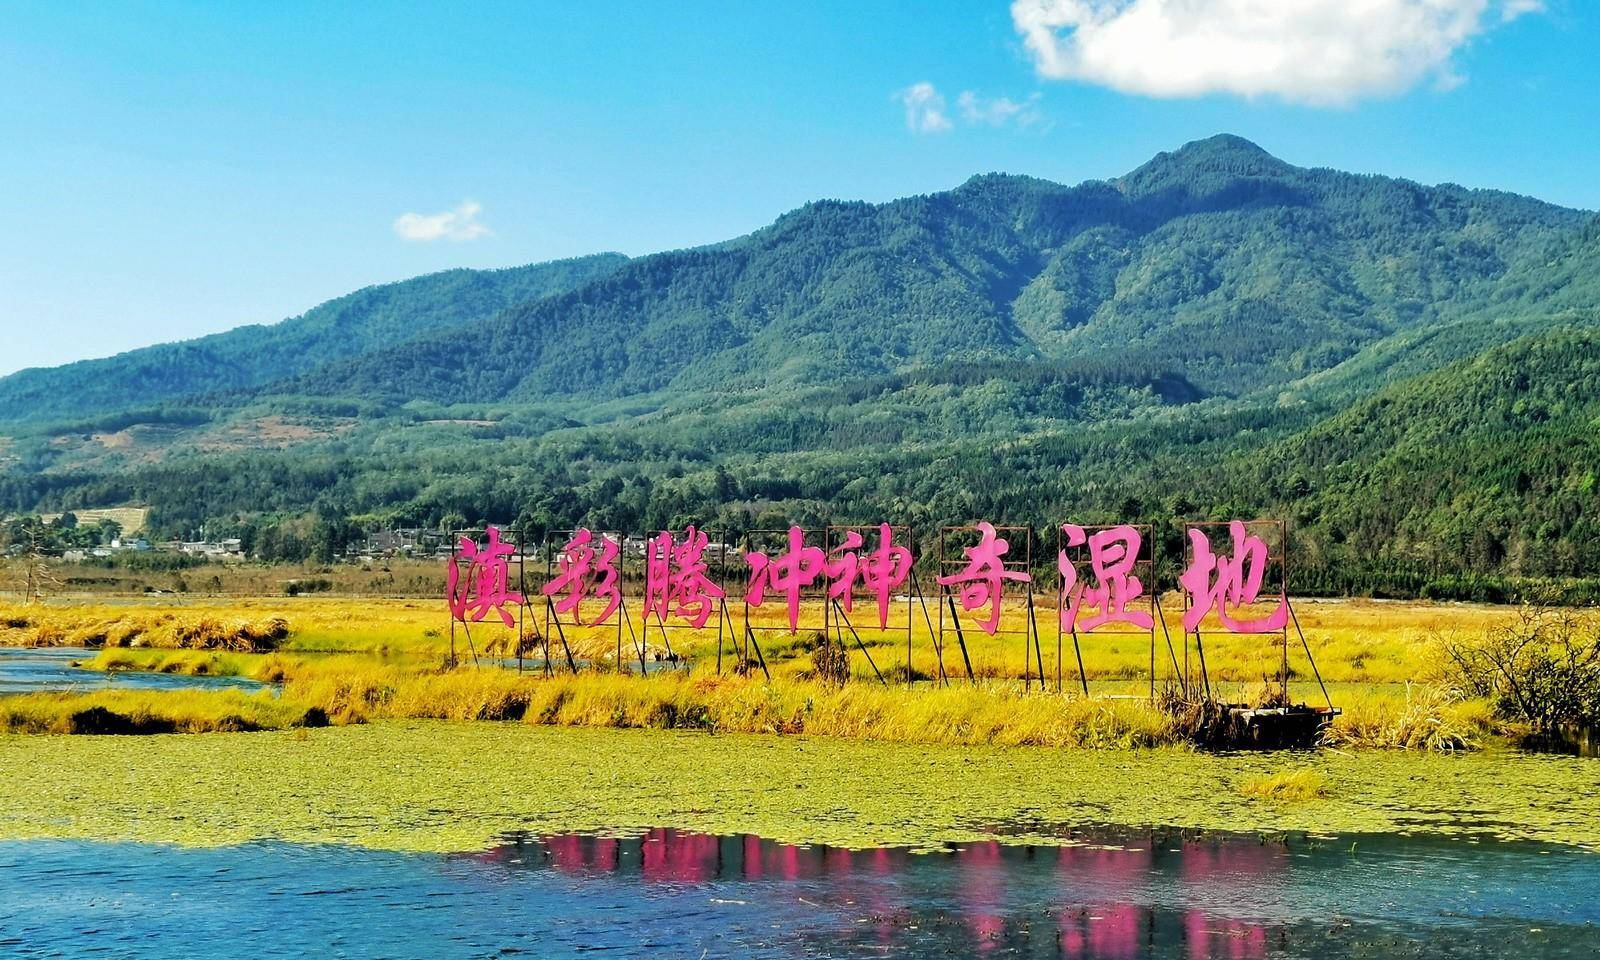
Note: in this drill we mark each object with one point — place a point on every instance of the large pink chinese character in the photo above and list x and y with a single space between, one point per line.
581 574
880 571
675 578
1237 582
787 573
985 575
486 585
1113 552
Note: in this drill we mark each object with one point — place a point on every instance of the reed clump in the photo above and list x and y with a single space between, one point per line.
70 626
1428 717
268 668
145 712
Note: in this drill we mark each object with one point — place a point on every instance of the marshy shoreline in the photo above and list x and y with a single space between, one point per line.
343 660
370 737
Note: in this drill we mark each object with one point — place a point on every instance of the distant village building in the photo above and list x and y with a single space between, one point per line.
231 548
406 542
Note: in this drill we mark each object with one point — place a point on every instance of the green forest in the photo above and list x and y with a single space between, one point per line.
1410 375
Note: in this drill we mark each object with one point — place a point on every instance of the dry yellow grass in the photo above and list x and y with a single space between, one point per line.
383 658
355 688
310 624
352 691
1355 641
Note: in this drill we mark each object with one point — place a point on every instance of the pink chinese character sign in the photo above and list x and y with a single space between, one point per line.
853 578
677 578
585 569
873 564
684 584
789 571
977 564
1234 575
1105 574
1107 586
1226 576
582 589
478 583
787 568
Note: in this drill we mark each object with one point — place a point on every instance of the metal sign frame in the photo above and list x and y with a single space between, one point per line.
1144 568
834 621
554 542
762 539
514 536
900 534
949 561
719 577
1275 557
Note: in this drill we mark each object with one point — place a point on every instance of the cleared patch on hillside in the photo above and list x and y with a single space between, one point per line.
132 520
274 431
139 444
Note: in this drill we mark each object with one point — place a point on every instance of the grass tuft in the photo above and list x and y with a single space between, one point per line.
1290 786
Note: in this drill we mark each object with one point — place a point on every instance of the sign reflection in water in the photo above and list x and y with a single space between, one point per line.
979 897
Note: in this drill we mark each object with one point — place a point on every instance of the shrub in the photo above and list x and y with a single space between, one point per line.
830 662
1541 669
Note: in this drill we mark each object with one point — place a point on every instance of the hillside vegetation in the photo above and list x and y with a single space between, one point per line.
1406 372
358 323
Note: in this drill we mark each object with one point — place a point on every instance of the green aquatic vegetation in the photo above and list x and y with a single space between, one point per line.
430 785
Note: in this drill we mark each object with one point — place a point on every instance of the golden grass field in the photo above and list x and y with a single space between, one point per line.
1354 641
354 659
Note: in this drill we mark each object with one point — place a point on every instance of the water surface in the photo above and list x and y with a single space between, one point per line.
675 894
34 669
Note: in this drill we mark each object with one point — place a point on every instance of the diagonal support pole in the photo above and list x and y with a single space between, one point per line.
961 640
751 641
863 647
1313 660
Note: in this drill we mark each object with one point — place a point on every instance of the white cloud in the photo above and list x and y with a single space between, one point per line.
928 112
999 111
457 225
925 109
1307 51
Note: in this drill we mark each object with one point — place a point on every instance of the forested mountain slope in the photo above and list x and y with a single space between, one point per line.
356 323
1491 463
1405 372
1218 262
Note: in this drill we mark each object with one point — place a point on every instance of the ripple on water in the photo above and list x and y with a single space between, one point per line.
673 893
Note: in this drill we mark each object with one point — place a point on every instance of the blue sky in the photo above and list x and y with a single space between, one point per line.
169 170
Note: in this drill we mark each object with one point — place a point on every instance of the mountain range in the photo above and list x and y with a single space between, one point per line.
1406 371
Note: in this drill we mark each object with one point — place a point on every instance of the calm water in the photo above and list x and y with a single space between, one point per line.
671 894
30 669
